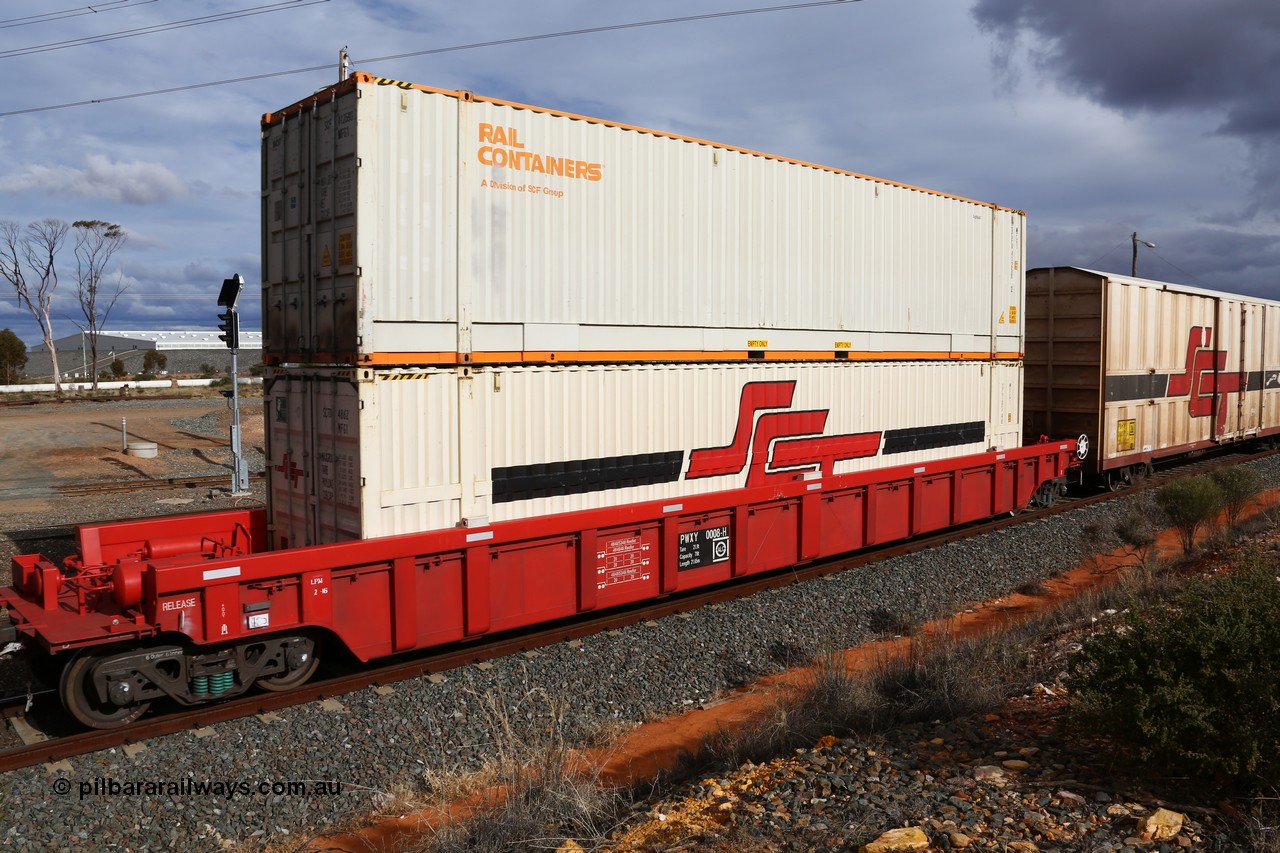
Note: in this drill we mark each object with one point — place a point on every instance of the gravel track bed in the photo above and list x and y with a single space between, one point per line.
378 742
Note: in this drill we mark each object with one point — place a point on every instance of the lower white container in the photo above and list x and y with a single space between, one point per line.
361 453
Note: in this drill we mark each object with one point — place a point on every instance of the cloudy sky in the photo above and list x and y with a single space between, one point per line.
1098 118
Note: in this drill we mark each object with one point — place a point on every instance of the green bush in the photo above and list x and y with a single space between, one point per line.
1189 503
1238 485
1193 687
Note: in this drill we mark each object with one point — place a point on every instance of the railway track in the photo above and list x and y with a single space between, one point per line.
414 665
112 487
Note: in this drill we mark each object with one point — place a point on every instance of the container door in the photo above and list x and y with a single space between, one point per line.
1231 415
288 457
333 469
1249 400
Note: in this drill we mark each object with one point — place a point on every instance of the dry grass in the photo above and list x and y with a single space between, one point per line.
531 795
1262 824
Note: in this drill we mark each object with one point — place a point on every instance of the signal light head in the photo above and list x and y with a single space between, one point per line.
230 327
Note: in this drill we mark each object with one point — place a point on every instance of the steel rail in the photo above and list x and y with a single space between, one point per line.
111 487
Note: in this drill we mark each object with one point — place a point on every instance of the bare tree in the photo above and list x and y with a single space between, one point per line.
96 242
28 263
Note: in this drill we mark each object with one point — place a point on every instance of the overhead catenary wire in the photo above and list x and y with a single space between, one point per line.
1191 278
285 5
62 15
433 51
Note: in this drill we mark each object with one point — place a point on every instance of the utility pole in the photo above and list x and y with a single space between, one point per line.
230 327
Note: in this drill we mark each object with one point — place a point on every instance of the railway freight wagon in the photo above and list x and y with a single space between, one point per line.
1147 369
531 365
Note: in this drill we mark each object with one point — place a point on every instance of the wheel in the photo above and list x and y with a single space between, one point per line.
303 657
80 698
1119 479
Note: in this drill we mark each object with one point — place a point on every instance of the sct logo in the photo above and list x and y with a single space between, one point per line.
1203 380
774 443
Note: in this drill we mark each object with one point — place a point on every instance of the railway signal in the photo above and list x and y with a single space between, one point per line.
230 327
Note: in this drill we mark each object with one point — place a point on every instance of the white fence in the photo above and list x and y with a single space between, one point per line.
114 386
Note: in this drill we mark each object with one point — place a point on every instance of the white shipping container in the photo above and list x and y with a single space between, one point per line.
407 225
360 453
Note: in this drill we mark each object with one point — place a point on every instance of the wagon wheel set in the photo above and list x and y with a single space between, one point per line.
107 689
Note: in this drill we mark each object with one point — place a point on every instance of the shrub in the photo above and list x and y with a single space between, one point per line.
1194 685
154 361
1137 534
1189 503
1238 485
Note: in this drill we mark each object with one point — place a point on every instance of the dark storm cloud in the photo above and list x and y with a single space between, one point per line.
1159 56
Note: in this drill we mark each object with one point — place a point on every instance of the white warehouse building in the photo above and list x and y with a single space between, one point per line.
162 341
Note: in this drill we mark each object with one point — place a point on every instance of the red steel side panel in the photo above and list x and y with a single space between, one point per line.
386 595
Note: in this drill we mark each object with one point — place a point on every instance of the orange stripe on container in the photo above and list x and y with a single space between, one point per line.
596 356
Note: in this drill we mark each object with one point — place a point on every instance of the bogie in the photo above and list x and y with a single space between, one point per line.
104 691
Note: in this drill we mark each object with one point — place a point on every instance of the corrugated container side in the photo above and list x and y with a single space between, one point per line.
1146 368
453 239
435 448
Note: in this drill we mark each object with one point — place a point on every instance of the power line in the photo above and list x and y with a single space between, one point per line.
285 5
108 6
434 51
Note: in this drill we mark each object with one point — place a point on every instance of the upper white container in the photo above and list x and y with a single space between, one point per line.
408 225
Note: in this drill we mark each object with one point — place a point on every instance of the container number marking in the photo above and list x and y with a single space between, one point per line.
705 547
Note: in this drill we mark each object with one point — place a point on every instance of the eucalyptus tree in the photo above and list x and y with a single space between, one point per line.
96 243
28 262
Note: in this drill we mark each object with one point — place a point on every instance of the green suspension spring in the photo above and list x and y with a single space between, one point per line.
200 686
221 682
